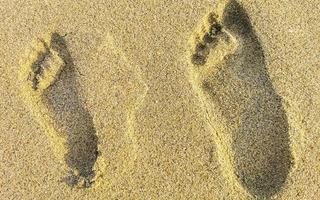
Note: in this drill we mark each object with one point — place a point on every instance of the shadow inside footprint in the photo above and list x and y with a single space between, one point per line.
72 118
258 123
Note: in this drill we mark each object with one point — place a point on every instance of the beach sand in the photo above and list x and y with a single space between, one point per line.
160 99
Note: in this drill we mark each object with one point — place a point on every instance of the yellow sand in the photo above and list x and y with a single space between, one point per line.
105 100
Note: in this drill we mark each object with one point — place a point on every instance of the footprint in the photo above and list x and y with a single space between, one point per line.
246 115
49 89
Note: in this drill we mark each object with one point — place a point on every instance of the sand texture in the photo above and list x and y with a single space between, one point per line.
160 99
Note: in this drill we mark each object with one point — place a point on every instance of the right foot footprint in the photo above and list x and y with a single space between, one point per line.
49 88
249 123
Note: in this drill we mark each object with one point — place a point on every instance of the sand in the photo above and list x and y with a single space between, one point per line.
160 99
